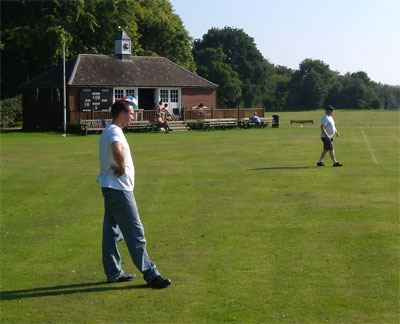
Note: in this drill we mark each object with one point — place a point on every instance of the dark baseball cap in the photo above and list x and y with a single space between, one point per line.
330 108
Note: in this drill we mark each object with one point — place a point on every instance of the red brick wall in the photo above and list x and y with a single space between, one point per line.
192 97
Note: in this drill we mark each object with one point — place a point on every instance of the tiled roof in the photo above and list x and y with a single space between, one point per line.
103 70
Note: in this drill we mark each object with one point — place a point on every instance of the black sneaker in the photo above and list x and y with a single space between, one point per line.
124 277
337 164
159 282
320 164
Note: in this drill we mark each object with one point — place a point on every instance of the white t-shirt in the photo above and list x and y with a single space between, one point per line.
329 124
112 133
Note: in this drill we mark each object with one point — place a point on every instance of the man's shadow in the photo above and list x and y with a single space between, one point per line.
66 290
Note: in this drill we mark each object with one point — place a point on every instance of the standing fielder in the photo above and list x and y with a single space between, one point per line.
328 132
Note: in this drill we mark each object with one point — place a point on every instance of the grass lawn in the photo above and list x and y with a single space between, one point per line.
243 222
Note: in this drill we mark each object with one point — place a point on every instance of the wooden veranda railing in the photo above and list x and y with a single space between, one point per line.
239 113
186 114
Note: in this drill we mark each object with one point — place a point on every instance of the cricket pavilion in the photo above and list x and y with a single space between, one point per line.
94 82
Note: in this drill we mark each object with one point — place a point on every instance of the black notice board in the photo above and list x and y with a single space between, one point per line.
95 99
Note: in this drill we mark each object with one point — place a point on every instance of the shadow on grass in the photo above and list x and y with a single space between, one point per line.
67 290
283 168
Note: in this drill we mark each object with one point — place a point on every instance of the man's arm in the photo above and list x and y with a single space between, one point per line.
323 130
119 157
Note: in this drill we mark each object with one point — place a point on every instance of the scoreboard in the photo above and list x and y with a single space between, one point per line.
98 99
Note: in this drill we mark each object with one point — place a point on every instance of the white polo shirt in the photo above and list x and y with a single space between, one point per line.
329 124
107 179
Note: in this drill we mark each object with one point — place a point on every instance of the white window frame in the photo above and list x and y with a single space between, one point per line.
128 92
162 98
173 97
124 92
169 102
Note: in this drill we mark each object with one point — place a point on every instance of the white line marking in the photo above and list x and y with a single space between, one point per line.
369 147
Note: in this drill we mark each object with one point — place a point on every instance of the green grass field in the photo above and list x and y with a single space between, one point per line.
246 226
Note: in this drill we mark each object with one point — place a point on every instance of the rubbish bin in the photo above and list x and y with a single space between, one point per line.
276 121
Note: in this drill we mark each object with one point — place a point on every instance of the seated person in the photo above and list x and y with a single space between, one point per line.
256 120
161 123
159 107
200 110
168 112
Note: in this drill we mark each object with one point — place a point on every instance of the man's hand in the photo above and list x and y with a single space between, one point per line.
119 157
323 130
119 170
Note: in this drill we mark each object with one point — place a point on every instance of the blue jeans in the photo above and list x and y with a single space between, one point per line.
121 221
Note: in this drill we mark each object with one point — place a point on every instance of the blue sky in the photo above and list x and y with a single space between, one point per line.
349 35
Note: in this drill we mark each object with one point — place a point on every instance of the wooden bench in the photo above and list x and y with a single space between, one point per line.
93 124
301 121
143 125
220 123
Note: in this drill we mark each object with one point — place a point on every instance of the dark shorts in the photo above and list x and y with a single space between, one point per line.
328 145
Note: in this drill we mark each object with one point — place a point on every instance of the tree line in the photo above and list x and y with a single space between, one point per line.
32 34
230 58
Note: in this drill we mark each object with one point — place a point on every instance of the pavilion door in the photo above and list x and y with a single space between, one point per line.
173 98
146 99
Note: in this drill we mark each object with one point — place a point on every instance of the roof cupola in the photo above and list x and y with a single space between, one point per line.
123 47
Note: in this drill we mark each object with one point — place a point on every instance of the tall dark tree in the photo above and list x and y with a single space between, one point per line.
161 32
358 92
211 65
311 83
32 33
244 58
278 88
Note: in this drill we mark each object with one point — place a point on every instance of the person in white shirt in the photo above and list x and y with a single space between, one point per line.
328 132
121 217
169 112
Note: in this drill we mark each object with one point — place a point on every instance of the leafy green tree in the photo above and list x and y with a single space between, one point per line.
390 96
211 65
334 95
32 33
11 111
353 93
362 76
161 33
278 88
244 58
357 92
311 83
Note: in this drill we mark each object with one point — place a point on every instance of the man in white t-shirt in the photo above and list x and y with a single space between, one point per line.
121 217
328 132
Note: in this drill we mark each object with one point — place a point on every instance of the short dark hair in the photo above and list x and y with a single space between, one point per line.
118 106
